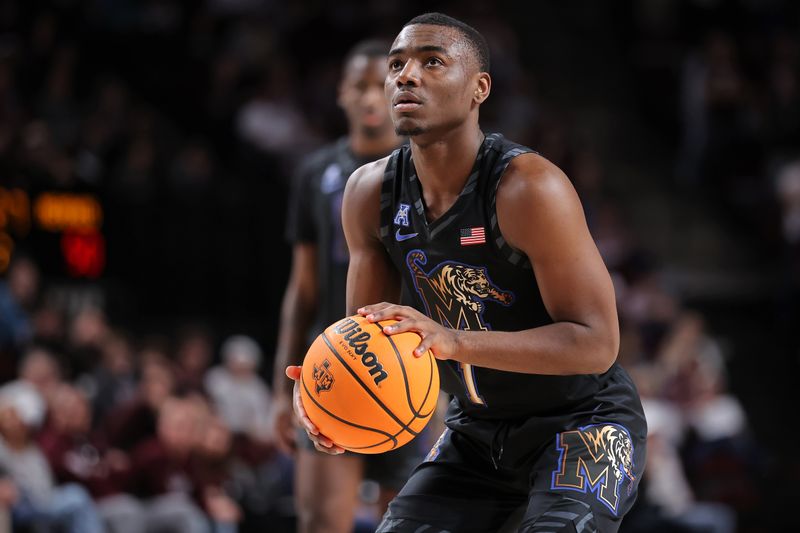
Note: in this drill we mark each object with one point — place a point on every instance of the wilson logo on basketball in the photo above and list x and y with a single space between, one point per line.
357 339
323 378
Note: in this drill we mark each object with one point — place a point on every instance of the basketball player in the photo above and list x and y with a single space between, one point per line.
504 284
326 488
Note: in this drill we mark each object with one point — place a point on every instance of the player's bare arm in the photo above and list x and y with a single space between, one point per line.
370 276
539 213
297 312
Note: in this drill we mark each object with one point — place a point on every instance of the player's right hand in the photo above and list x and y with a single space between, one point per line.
283 426
321 442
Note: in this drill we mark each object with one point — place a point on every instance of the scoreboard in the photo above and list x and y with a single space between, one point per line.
62 230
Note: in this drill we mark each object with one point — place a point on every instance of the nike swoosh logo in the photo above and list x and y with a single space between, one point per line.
400 237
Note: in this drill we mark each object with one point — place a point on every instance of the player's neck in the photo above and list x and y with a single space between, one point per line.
443 165
364 146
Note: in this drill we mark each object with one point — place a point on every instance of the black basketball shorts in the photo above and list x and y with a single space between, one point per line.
575 472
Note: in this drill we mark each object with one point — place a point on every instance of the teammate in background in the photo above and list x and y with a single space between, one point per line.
505 285
326 488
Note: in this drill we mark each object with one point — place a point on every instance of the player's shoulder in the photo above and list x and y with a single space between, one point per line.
361 207
534 194
368 177
532 177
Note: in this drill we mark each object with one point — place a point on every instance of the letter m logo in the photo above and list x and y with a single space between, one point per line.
587 462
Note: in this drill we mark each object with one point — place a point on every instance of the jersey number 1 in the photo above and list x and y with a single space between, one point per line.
468 377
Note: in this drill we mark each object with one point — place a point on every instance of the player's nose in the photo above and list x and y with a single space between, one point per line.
409 75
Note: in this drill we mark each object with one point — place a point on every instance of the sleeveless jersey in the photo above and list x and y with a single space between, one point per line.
460 271
315 216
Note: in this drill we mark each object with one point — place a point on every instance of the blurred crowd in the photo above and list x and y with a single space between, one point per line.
139 401
103 433
720 80
102 430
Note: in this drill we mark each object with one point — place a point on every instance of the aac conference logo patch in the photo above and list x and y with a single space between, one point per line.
401 219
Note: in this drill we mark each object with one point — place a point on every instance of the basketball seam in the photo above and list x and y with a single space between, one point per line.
387 440
342 420
392 438
427 392
364 386
430 386
402 368
414 410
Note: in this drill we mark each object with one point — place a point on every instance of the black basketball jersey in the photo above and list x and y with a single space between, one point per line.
315 216
459 271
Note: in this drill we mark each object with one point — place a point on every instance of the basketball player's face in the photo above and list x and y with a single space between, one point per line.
432 79
361 95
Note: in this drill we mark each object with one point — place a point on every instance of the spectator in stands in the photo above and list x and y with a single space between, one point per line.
136 421
167 470
239 394
18 293
78 455
718 450
88 330
113 380
40 368
50 324
215 462
39 501
668 494
193 357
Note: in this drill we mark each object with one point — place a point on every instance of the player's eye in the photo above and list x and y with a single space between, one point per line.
395 64
434 62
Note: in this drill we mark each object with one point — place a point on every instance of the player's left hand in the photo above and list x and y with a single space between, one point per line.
321 442
441 341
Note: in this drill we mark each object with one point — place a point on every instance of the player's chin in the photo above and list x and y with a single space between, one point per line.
409 130
406 126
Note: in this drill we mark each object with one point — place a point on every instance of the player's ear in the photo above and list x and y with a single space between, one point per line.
483 86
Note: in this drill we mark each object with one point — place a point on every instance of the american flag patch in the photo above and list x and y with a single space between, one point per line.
472 236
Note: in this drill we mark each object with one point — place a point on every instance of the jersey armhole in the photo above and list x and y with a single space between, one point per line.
387 195
513 255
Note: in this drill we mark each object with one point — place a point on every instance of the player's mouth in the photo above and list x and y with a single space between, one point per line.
406 101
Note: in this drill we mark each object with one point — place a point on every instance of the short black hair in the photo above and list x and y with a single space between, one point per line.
474 38
370 48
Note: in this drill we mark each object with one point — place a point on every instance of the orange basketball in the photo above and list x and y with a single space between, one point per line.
364 389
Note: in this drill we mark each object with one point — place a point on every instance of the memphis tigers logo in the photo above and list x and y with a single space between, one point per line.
323 378
454 293
597 458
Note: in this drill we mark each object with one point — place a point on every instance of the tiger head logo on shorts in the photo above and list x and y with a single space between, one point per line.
323 378
454 293
597 458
